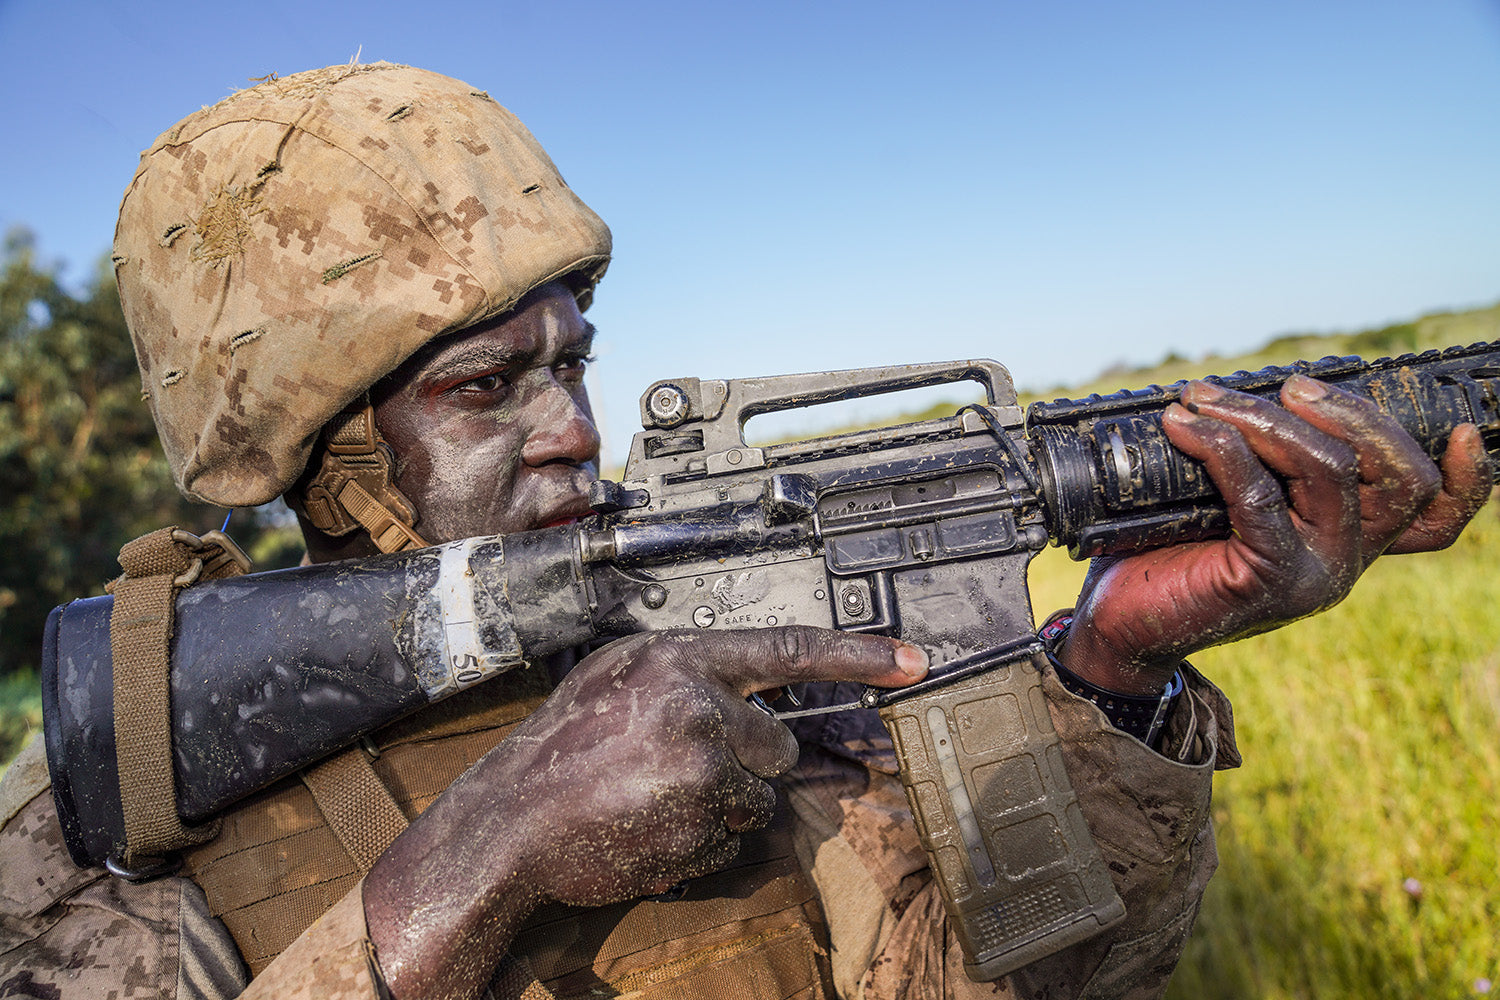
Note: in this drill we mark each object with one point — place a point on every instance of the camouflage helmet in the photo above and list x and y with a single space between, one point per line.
279 252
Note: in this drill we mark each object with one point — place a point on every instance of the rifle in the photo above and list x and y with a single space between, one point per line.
922 531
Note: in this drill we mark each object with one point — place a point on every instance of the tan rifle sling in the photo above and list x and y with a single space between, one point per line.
355 482
157 566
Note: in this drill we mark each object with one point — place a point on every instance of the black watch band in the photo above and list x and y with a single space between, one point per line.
1142 716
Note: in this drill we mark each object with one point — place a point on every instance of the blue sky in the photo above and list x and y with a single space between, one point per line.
800 186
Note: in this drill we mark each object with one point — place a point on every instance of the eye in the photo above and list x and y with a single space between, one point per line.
572 369
493 382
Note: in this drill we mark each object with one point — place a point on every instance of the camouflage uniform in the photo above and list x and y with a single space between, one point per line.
878 919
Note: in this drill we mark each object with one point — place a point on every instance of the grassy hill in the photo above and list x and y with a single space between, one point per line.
1357 844
1442 329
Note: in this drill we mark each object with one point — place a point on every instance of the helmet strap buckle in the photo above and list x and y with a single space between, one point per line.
354 486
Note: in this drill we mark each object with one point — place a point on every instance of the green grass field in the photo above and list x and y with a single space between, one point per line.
1371 737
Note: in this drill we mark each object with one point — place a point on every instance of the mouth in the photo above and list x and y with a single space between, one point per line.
569 513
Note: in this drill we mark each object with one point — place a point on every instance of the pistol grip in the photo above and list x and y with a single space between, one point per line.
1020 874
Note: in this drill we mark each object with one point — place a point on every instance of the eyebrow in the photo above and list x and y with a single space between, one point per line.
494 357
465 361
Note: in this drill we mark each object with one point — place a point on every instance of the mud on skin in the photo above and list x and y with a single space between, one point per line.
493 429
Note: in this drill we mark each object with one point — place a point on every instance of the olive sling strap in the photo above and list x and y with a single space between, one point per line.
356 805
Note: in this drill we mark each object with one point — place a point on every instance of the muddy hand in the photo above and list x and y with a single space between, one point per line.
639 771
1395 475
1316 490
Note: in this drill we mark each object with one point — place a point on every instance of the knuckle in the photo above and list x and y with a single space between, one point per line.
1264 496
795 647
1303 599
692 709
695 774
1337 459
677 651
1318 587
673 643
1342 457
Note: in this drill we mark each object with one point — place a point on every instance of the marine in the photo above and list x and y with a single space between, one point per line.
373 274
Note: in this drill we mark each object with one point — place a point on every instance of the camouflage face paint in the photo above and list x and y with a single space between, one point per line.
492 427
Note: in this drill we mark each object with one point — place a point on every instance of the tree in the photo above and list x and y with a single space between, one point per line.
80 467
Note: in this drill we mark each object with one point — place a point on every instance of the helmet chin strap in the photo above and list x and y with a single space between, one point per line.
354 487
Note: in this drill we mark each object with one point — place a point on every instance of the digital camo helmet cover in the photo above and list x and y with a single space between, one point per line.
279 252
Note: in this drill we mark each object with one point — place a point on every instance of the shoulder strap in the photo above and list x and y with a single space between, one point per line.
356 805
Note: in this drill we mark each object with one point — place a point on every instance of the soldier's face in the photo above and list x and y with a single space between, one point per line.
491 427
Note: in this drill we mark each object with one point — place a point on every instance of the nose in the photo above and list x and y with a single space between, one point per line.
562 429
